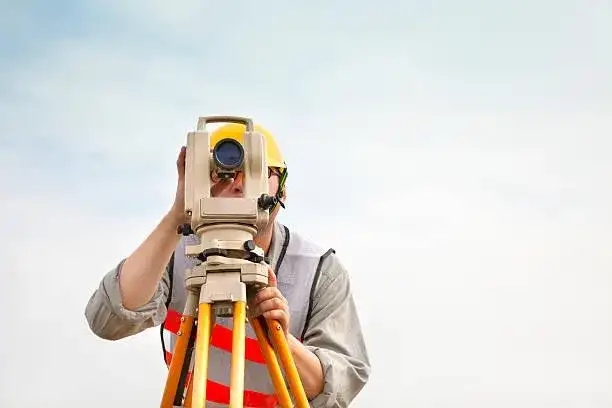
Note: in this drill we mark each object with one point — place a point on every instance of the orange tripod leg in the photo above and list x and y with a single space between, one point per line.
238 355
274 369
282 348
177 362
200 370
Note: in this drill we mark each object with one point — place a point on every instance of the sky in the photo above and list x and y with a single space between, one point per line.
478 248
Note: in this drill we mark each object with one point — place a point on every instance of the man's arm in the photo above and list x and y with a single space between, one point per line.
131 297
143 269
333 355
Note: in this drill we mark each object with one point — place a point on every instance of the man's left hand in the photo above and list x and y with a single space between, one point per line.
271 304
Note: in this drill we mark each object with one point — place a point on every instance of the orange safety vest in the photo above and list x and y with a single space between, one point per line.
297 268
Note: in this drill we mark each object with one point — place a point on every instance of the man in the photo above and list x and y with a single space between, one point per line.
309 294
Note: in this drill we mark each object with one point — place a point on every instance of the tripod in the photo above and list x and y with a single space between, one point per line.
219 287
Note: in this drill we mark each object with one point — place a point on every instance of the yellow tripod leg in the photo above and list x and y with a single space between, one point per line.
274 369
238 356
200 370
281 346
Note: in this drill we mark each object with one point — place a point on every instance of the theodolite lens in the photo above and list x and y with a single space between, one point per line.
228 154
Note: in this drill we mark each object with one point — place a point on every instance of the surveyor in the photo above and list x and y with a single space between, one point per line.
309 294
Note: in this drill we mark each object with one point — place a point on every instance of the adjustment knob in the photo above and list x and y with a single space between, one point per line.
266 202
249 245
184 229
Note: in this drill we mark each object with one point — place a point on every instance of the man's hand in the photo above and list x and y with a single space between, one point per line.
271 304
177 211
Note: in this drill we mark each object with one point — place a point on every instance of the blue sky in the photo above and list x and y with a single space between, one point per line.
463 146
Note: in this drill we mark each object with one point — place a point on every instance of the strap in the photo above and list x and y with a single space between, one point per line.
168 300
315 281
170 278
283 251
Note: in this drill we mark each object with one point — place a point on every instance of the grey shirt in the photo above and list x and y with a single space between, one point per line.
334 332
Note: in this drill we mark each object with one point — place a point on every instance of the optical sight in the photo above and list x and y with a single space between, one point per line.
228 154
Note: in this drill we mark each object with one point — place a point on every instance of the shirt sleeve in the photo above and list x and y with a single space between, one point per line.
110 320
335 336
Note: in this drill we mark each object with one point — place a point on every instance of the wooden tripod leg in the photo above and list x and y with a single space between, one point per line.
177 362
200 370
238 355
281 346
274 369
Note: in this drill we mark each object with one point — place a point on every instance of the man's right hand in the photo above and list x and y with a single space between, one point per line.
177 212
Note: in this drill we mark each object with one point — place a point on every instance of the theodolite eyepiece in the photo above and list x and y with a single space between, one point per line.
228 154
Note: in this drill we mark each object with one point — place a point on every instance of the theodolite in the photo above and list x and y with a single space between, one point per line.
229 267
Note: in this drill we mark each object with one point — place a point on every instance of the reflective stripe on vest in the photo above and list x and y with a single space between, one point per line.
296 271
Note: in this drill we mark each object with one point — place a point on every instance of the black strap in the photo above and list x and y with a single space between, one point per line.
171 279
283 251
168 300
313 287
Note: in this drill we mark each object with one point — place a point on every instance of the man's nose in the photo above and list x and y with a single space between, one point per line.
236 186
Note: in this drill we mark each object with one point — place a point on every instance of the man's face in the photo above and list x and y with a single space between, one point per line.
234 188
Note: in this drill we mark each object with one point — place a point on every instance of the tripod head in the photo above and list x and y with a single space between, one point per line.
226 226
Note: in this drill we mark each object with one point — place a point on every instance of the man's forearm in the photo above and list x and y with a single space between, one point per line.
143 269
308 366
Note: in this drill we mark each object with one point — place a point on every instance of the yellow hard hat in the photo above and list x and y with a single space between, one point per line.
236 131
